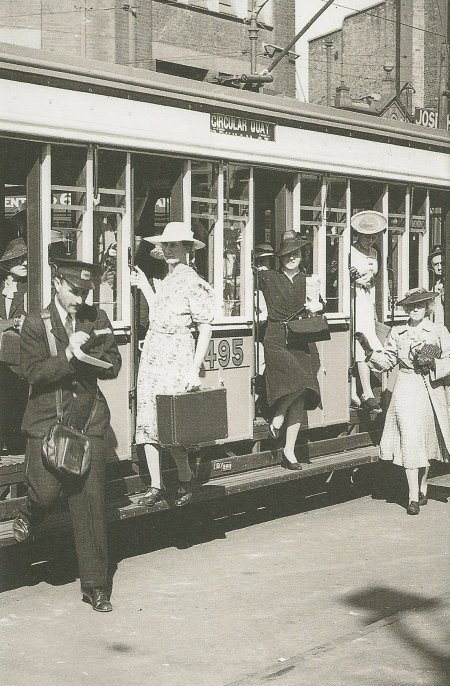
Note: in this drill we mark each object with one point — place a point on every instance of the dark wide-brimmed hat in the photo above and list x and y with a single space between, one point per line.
15 249
417 295
78 274
368 222
290 244
264 250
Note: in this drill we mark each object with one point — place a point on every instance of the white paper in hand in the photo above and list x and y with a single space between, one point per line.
94 361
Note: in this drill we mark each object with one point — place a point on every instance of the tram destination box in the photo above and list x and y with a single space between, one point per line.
192 418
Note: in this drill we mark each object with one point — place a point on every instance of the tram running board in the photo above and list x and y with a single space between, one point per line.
126 506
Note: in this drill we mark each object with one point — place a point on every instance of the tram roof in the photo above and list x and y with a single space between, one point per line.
61 71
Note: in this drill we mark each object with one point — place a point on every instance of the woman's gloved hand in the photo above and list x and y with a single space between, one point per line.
193 380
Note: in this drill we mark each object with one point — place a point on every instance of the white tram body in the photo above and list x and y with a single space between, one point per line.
241 168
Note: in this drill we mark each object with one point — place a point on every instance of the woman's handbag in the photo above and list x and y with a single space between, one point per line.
64 449
308 329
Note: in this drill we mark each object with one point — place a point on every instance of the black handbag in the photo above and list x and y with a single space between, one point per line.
307 329
65 450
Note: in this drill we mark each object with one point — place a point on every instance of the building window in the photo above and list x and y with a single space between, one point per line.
417 231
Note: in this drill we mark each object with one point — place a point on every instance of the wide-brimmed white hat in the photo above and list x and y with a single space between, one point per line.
175 232
368 222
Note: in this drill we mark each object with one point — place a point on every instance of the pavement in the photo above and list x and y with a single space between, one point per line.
270 587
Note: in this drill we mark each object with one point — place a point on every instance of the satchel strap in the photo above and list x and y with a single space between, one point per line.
45 316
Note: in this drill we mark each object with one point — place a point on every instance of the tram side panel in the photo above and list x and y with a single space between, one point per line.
116 392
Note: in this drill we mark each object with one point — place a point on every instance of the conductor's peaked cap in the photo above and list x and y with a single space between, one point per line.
76 273
368 222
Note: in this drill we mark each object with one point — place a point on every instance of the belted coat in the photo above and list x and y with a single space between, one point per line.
417 426
82 399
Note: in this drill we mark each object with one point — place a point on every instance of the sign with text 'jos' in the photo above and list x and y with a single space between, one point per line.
425 116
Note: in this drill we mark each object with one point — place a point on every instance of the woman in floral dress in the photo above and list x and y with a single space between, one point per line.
170 362
417 426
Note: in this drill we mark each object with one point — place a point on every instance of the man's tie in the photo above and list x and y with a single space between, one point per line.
69 325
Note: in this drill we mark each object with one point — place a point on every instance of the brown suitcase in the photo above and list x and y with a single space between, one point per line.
187 419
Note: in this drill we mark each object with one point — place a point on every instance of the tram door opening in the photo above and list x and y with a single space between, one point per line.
273 216
19 277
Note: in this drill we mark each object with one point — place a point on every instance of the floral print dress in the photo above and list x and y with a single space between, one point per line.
181 299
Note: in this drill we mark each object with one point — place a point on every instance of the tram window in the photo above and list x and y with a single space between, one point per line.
204 212
68 198
366 195
439 200
336 222
109 207
310 218
396 229
417 229
236 209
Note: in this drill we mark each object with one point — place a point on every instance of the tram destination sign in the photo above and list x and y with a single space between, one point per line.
242 126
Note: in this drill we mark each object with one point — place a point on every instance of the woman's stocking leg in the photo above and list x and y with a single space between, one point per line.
180 456
364 377
279 412
412 476
423 476
293 423
153 462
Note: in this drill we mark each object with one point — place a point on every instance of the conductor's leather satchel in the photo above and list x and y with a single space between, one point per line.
64 449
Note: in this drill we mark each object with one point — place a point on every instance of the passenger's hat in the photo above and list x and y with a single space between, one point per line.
15 249
264 250
290 244
368 222
417 295
176 232
76 273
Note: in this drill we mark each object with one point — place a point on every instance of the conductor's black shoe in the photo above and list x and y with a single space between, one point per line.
21 529
98 598
413 508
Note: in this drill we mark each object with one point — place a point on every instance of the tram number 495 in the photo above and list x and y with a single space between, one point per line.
228 353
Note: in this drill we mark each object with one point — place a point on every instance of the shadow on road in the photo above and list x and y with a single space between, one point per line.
53 560
383 602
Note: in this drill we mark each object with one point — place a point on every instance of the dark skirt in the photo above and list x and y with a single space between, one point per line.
290 372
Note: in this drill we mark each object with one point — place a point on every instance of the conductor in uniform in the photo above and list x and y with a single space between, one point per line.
73 323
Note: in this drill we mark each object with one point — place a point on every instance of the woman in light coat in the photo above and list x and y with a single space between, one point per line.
417 427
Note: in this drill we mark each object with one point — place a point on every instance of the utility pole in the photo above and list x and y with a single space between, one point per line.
328 46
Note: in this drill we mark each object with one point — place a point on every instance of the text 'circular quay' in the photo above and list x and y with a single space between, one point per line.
224 342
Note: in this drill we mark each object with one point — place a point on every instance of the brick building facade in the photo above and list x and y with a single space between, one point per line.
198 39
356 55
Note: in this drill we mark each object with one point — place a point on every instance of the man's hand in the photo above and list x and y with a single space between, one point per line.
76 340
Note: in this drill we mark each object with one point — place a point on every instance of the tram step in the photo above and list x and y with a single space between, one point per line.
126 506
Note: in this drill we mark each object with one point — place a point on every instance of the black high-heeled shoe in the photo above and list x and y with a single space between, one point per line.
286 464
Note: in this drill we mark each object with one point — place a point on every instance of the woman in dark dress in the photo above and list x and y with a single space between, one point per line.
291 374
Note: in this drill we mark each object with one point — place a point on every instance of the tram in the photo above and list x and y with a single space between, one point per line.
95 157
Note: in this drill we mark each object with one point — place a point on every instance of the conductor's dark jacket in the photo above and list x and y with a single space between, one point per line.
82 399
